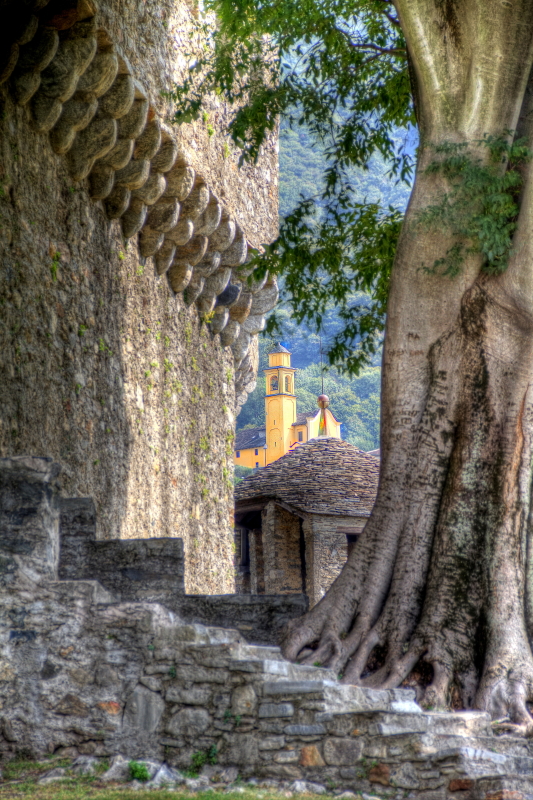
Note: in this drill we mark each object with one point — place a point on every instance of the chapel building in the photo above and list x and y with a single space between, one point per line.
284 428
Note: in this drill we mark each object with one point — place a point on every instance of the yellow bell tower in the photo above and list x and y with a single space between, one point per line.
280 403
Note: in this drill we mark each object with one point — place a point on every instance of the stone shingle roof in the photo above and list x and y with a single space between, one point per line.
250 437
323 476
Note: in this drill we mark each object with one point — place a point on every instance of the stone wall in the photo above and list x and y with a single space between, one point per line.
102 364
326 549
81 674
291 554
282 550
152 570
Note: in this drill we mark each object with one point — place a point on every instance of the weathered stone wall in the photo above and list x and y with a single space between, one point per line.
152 570
81 674
283 569
101 365
326 550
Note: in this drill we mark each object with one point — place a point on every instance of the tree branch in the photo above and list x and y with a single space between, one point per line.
370 46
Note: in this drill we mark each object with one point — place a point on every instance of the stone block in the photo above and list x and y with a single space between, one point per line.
305 730
180 181
193 289
36 57
99 75
189 722
133 175
119 155
150 241
29 519
310 757
195 696
271 742
380 773
316 788
102 179
74 54
276 710
179 275
240 749
287 757
152 189
131 125
243 700
223 236
196 202
266 299
72 706
236 253
134 218
405 777
182 232
75 116
342 752
93 142
219 319
118 100
163 215
118 770
461 785
144 710
149 141
164 159
209 219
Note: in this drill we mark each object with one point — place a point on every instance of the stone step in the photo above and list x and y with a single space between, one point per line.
259 651
432 743
460 723
339 698
470 762
510 787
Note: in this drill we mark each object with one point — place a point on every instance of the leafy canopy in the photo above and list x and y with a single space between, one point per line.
338 67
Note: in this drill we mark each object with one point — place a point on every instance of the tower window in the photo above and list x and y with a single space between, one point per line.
274 384
300 436
238 453
257 463
287 383
256 452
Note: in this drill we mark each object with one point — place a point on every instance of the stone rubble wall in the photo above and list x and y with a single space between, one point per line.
126 322
326 550
81 674
152 570
282 563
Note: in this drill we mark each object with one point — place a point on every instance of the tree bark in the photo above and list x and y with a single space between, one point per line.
441 582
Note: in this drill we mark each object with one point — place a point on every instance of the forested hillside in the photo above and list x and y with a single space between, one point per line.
354 401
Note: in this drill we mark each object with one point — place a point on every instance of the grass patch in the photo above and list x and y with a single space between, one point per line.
88 789
20 778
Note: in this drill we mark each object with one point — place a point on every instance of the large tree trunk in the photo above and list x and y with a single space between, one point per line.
439 589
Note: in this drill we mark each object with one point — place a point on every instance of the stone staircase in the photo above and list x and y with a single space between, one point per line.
378 742
84 673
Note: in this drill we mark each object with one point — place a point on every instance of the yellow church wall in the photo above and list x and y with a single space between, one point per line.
248 458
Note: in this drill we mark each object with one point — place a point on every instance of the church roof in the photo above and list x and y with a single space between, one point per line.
303 416
323 476
279 349
250 437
